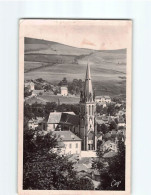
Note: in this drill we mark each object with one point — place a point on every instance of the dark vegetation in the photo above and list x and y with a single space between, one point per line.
44 170
27 92
41 110
112 170
74 87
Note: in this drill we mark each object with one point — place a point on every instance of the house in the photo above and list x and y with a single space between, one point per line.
107 99
64 90
36 123
100 136
37 92
109 146
121 122
103 119
30 85
68 143
102 99
99 120
62 121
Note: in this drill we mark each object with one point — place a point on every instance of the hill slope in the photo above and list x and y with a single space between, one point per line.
52 61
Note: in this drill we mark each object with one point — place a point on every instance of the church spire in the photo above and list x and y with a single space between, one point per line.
88 75
88 91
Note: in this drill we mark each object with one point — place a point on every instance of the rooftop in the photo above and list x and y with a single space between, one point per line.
110 154
37 120
63 88
66 136
99 97
63 118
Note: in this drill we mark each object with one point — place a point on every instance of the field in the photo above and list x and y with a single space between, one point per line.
46 97
53 61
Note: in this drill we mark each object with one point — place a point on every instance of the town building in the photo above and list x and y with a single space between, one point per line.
64 90
109 146
121 121
33 124
30 85
68 143
102 99
62 121
83 125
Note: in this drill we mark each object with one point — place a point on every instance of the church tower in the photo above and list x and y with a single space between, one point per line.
88 130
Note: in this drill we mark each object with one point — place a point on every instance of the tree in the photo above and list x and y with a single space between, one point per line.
38 86
27 92
111 109
113 125
64 81
40 80
104 128
50 107
99 109
75 86
28 114
101 166
83 183
117 167
45 170
112 170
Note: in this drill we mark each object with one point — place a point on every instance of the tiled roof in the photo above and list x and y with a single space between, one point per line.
99 120
54 117
65 136
37 120
107 97
107 135
63 87
118 105
110 154
69 119
99 97
63 118
99 134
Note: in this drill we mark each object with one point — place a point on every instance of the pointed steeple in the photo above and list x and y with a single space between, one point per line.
88 91
88 76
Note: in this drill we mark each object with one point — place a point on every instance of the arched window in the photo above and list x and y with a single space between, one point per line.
89 109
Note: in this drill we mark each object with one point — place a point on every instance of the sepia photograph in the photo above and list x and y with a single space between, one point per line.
74 106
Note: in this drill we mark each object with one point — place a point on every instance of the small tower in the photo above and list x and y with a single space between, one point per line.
87 115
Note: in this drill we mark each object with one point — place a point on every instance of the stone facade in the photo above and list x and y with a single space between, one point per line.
88 131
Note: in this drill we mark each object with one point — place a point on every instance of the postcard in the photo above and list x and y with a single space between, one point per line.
74 107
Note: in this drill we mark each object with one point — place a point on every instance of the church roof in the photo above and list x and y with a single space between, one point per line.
54 117
63 118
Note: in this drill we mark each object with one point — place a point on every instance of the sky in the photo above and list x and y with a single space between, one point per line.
92 34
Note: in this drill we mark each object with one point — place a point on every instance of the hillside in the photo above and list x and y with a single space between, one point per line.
52 61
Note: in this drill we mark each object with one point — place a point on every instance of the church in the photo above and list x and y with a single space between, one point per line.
88 130
83 125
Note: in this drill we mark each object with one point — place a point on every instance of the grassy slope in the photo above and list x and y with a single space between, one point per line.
53 61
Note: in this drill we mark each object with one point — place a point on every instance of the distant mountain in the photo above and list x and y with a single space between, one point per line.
52 61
